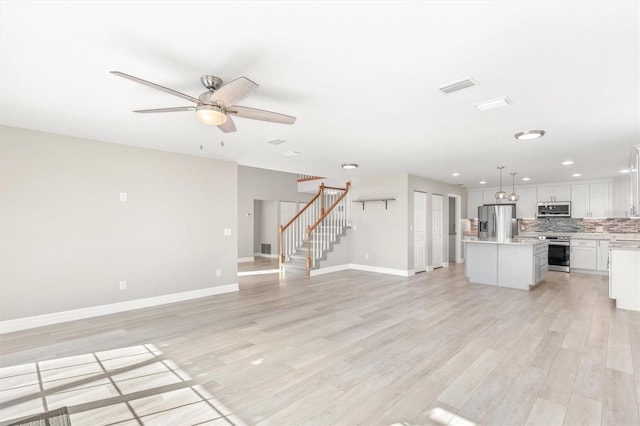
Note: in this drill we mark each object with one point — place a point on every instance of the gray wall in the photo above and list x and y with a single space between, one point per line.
430 186
66 240
266 225
380 233
259 184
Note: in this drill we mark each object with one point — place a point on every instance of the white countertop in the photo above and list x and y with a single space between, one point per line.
514 241
586 235
625 245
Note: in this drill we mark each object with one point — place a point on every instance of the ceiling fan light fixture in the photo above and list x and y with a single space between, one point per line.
211 114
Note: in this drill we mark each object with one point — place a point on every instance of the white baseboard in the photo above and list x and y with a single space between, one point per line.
390 271
246 259
429 268
10 326
270 256
329 269
445 264
366 268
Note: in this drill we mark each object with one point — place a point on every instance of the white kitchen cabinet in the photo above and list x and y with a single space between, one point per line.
489 196
474 199
621 197
554 193
526 205
602 255
515 264
583 254
634 183
624 278
590 200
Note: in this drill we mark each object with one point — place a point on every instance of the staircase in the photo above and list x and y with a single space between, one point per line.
313 231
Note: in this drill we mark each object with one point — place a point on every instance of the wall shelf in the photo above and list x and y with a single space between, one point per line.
384 200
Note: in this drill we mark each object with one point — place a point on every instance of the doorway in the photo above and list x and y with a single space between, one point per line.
437 227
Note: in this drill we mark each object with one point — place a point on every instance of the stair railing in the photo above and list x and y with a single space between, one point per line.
331 223
294 233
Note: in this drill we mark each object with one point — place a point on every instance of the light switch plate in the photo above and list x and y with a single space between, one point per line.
123 196
227 232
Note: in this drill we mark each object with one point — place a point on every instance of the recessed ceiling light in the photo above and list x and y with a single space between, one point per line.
567 163
576 175
526 178
482 182
493 103
291 153
349 166
625 171
455 174
527 135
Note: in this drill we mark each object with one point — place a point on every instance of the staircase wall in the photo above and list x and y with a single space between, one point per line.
260 184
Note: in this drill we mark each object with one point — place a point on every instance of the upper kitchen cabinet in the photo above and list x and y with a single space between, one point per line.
526 205
621 197
590 200
479 197
635 181
554 193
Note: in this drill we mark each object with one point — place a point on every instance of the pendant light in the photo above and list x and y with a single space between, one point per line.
501 195
513 197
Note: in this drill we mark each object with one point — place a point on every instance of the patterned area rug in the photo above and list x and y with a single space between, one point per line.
59 417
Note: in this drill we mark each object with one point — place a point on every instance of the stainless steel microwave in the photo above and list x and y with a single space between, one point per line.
554 209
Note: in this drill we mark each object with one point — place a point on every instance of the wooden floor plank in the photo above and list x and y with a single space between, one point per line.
350 347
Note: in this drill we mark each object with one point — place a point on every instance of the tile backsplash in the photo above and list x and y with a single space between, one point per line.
622 225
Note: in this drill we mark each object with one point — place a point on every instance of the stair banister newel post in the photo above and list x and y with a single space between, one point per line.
322 199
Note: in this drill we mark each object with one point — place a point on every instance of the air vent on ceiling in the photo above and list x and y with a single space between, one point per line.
458 85
276 141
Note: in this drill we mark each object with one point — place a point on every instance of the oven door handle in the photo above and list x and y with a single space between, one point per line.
559 244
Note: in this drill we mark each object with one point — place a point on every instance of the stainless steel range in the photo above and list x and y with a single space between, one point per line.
559 259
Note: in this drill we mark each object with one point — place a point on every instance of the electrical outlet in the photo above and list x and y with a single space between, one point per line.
218 273
366 255
227 232
123 285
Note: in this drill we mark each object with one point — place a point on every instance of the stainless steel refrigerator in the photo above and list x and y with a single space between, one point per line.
497 221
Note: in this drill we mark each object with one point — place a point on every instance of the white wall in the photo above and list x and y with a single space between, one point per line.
380 233
259 184
66 239
268 231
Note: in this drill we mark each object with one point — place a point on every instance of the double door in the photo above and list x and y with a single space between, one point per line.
420 234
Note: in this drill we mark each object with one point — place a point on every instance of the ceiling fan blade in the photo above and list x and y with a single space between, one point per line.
228 126
157 86
174 109
235 91
259 114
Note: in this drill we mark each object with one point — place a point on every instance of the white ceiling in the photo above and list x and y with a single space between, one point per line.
362 79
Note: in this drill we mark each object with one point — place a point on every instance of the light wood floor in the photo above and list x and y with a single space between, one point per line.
349 348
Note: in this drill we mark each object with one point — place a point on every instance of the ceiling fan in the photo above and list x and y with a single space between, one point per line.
216 105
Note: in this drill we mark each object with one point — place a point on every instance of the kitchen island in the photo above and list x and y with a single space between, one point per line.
515 262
